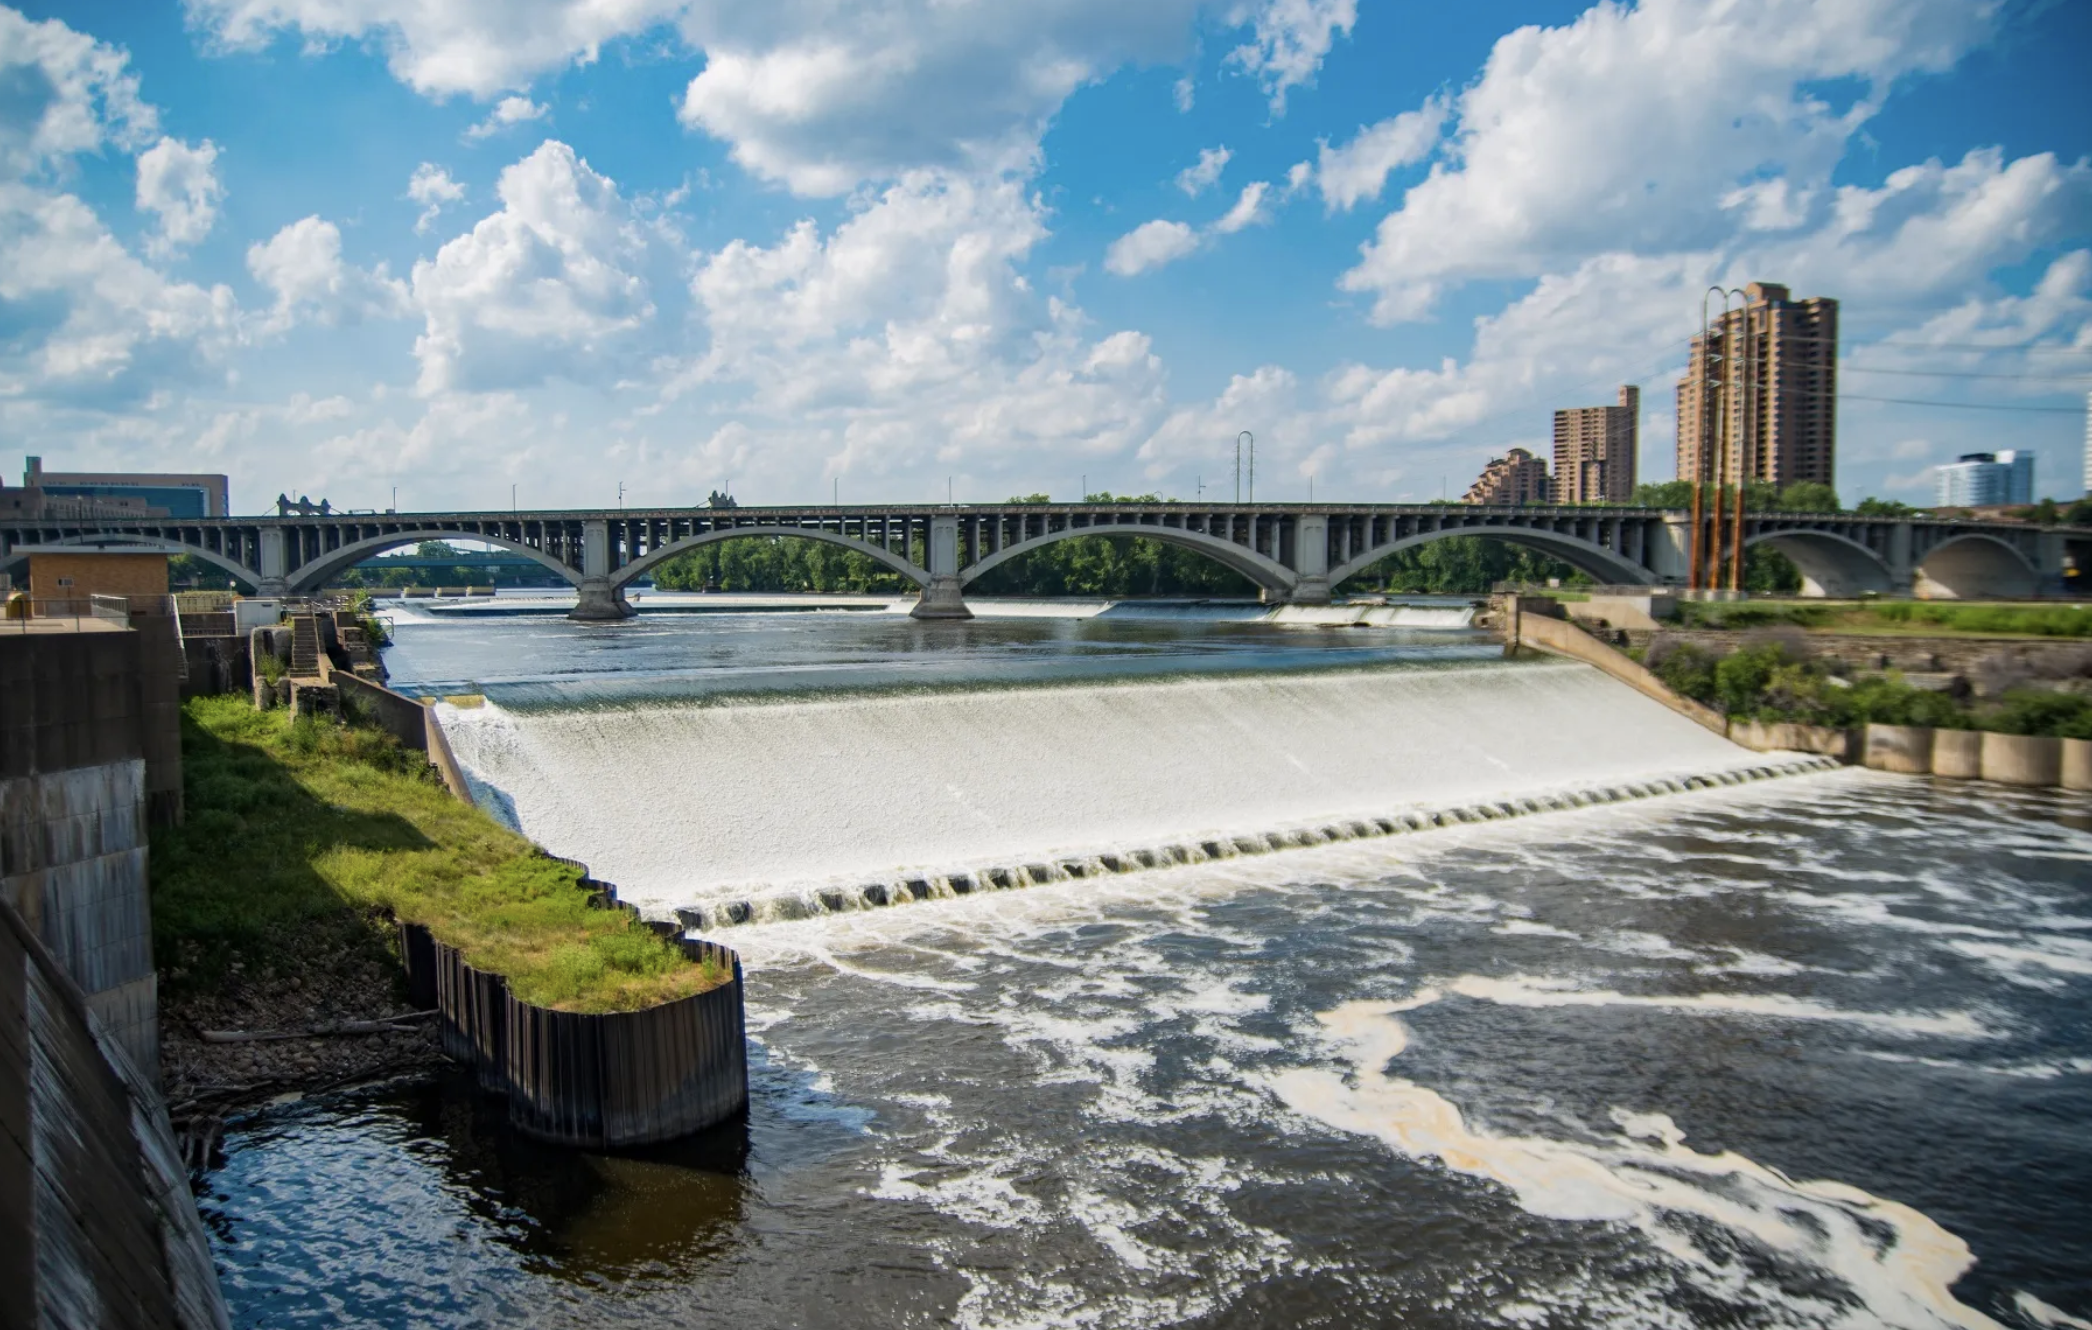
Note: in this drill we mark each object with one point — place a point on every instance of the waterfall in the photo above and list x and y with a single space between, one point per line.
942 791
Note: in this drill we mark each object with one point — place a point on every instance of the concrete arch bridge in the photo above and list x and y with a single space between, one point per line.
1294 553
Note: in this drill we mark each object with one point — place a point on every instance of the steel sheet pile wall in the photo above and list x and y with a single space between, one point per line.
609 1081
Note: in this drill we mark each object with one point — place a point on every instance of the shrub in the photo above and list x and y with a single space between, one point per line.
2038 711
1685 669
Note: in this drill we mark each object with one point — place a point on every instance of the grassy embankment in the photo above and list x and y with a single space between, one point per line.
1894 618
306 837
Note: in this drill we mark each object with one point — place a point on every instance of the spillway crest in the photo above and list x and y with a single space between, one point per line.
685 804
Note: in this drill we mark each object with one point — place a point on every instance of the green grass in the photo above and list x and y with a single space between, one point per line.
1939 618
317 834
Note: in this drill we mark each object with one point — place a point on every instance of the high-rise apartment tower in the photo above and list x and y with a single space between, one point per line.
1768 372
1594 450
1517 478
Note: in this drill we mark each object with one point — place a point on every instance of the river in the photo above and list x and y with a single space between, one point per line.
1809 1050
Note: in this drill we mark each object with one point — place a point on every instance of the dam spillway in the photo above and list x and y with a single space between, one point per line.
684 805
1770 1052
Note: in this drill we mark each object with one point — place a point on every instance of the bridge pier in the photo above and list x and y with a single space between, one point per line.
943 597
600 602
1307 591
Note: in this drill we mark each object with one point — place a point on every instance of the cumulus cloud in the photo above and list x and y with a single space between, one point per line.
302 267
432 187
442 47
179 185
507 114
66 93
1203 174
1356 171
907 339
1289 40
551 285
1602 135
1248 210
90 323
1150 245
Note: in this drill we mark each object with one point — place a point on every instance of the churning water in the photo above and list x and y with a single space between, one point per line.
1802 1051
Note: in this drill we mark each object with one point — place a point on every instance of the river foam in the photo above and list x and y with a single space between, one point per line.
1895 1262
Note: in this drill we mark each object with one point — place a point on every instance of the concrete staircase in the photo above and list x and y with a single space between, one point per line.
305 646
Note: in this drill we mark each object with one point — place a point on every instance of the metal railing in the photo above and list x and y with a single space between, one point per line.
34 613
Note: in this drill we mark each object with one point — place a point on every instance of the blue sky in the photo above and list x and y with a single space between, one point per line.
451 246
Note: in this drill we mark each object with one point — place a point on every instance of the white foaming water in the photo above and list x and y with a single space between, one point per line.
688 803
1644 1180
1375 616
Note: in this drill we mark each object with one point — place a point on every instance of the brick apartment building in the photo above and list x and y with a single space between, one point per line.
1770 371
1517 478
1594 450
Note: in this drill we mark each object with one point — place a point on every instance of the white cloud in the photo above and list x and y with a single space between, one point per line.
432 187
90 323
824 100
302 267
1248 210
179 185
1202 175
442 47
1606 135
1356 171
66 93
1932 232
1150 245
507 114
548 286
1290 39
907 343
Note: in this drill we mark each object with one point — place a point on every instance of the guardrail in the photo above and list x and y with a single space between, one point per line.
25 613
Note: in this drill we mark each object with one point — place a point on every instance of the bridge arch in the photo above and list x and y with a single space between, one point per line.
1268 574
239 572
311 575
1972 567
1830 564
639 567
1601 563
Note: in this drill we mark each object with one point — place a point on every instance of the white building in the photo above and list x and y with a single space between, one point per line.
1985 480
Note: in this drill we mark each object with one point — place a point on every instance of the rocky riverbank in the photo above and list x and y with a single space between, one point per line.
207 1080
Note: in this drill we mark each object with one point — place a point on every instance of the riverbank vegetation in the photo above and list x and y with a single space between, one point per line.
1777 681
1937 618
309 837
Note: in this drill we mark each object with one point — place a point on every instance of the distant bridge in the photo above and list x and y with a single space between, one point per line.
1294 553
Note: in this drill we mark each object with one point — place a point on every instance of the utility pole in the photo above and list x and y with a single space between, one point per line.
621 494
1245 434
512 498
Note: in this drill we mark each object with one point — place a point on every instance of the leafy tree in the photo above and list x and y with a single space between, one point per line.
1464 566
1871 507
187 572
1808 496
1664 494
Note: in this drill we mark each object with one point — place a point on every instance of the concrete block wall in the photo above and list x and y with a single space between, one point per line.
89 755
